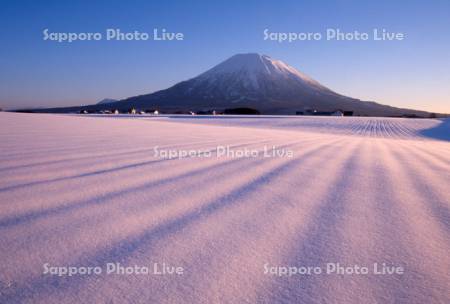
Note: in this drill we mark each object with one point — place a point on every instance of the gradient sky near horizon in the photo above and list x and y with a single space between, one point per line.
413 73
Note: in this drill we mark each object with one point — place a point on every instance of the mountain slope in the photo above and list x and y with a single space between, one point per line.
251 80
257 81
106 101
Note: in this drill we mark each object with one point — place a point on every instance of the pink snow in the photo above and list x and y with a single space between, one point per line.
85 191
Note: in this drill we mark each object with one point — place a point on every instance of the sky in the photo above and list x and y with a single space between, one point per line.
412 73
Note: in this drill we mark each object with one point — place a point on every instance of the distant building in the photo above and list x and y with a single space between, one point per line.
309 111
314 112
337 113
322 113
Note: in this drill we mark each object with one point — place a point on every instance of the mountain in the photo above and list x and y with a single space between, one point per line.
244 80
260 82
106 101
255 81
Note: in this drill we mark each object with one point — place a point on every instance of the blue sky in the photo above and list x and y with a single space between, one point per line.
412 73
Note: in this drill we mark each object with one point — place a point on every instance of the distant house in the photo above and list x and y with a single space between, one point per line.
309 111
337 113
208 112
321 113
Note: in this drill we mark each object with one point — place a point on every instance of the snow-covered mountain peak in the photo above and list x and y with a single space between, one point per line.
255 71
250 62
254 81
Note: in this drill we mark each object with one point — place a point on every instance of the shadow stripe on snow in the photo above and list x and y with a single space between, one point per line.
123 250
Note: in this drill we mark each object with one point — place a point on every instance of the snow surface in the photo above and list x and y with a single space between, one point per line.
86 191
